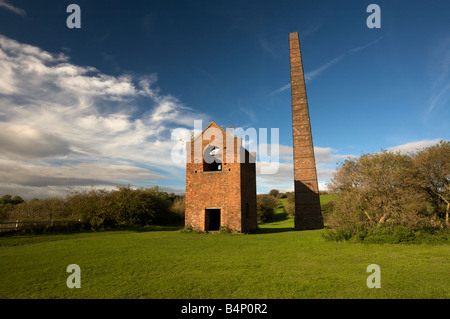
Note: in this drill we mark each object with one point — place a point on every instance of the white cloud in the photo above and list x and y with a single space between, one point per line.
326 155
413 146
283 180
36 174
28 142
326 160
68 125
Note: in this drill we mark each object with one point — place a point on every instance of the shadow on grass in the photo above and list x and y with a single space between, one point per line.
280 223
272 230
138 229
149 228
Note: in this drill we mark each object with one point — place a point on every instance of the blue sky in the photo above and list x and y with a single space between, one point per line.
99 105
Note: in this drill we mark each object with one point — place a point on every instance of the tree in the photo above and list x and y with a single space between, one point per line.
7 203
274 192
5 199
266 206
375 189
433 164
16 200
178 206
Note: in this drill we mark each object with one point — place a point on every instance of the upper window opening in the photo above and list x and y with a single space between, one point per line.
211 160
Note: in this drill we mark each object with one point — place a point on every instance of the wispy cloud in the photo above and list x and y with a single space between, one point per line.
316 72
281 89
251 116
8 6
311 75
440 72
266 46
309 31
65 125
365 46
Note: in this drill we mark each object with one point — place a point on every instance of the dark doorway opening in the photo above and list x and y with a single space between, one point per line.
212 219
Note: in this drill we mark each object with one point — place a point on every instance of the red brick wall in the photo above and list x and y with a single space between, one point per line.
229 189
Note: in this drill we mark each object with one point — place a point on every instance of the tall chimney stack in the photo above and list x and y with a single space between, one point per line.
307 202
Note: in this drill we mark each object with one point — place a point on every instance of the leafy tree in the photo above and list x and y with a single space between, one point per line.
178 206
274 192
7 203
433 164
266 206
375 189
88 206
46 209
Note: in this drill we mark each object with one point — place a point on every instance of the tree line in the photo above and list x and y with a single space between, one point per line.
97 209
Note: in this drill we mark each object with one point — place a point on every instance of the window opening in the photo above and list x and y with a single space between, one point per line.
211 159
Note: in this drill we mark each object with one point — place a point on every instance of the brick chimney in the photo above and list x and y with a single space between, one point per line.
307 202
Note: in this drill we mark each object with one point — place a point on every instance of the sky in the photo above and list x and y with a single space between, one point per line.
107 104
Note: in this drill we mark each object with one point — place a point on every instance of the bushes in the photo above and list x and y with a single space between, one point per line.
102 209
177 210
41 210
387 234
339 234
266 206
390 197
48 226
289 205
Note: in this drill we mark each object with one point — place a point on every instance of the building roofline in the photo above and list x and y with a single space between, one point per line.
223 130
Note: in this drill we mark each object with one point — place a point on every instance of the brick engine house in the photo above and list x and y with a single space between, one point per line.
220 183
221 188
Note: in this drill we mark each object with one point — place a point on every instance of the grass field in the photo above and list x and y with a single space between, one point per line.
276 262
325 198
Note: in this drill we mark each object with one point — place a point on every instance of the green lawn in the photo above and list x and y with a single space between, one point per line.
276 262
325 198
